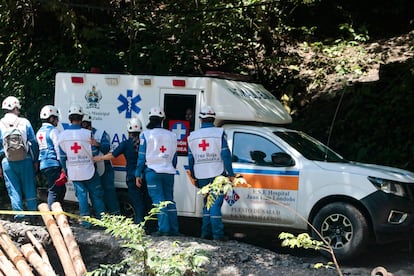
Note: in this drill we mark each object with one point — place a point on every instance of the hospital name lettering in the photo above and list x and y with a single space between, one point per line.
282 196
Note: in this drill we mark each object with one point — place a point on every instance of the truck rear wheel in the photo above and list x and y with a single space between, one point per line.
344 228
127 209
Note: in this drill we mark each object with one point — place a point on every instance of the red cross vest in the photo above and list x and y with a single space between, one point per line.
161 148
205 145
76 144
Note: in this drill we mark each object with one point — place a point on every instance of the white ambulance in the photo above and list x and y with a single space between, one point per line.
293 177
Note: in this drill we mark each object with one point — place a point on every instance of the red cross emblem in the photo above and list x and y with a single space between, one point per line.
162 148
75 147
41 137
204 145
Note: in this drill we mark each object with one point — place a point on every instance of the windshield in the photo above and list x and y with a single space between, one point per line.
309 147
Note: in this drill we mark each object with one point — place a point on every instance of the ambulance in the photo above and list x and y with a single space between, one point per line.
294 179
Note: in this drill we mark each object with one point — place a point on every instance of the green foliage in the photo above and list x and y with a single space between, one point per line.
303 240
221 185
345 57
143 260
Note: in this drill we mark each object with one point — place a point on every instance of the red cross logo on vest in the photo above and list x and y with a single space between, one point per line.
162 148
41 138
204 145
75 147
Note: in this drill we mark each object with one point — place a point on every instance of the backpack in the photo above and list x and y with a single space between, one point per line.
13 143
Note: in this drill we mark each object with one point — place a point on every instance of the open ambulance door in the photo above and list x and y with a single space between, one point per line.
177 103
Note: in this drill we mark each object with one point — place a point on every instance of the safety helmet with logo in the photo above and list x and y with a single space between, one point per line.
75 109
10 103
207 112
157 112
87 118
49 110
134 125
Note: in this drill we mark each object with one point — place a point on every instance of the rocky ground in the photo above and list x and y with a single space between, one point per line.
233 257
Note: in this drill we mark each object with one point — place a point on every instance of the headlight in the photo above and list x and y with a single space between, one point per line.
388 186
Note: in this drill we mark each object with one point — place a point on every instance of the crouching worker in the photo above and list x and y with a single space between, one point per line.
76 159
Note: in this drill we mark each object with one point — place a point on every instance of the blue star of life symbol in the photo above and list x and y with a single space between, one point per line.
232 198
129 104
180 130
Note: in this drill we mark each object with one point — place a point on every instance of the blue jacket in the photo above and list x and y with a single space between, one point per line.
48 157
131 155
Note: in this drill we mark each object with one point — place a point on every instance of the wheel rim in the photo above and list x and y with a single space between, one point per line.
127 210
337 230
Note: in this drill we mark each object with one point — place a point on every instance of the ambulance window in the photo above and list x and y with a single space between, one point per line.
253 149
176 107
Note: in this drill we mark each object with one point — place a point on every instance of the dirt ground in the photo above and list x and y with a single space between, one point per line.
249 251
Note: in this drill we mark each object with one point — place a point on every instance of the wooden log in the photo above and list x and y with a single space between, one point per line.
37 262
6 266
13 253
57 240
40 249
70 240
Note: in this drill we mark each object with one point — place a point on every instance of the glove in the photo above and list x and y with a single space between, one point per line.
62 179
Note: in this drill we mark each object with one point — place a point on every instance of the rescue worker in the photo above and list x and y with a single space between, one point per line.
139 197
76 159
19 176
157 160
101 144
208 157
47 137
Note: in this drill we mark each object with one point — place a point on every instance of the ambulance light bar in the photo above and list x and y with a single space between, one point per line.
145 82
112 80
180 83
78 79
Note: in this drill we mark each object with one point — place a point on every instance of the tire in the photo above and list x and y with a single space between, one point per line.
127 209
344 227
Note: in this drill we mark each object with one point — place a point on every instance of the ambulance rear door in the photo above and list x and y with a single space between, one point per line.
176 103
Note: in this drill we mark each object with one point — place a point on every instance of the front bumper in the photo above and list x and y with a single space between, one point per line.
392 216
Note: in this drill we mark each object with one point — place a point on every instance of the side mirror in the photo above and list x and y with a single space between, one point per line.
282 159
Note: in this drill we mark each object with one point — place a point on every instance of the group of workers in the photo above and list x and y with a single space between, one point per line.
82 154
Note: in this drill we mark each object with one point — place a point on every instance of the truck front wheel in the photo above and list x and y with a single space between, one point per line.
343 227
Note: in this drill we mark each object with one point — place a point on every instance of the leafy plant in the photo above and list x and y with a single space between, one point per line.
303 240
221 185
142 259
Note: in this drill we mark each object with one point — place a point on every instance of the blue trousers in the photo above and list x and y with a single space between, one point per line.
140 200
19 179
161 188
90 188
212 224
54 193
108 185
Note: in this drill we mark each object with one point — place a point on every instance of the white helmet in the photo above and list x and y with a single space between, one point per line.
10 103
87 118
75 109
49 110
157 112
207 112
134 125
